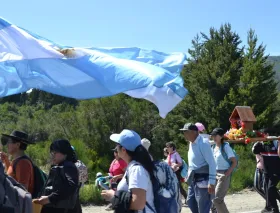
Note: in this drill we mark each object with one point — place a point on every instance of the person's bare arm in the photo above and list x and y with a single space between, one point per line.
117 177
233 165
138 200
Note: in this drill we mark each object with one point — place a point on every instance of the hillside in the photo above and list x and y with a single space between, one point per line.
276 61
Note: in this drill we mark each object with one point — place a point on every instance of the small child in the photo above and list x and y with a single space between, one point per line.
102 181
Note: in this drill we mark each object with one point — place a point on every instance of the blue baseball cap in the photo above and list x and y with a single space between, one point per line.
128 139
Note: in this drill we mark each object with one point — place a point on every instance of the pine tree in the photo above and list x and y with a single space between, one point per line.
258 88
211 75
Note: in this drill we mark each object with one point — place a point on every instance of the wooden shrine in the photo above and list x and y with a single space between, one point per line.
242 121
243 116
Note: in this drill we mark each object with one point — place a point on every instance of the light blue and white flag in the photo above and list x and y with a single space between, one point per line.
29 61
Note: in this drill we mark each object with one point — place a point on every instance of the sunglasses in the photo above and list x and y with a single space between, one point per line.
11 141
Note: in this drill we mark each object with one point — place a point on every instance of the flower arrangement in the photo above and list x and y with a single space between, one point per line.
237 132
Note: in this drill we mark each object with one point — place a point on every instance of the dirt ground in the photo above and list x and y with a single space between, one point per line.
246 201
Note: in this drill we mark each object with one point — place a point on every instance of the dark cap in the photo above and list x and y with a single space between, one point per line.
218 131
189 126
16 135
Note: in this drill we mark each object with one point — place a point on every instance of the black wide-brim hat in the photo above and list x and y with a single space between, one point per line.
16 135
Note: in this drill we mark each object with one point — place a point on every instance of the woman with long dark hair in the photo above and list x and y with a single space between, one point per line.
225 163
60 194
135 190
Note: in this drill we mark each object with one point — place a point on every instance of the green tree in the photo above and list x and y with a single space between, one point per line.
212 77
48 99
257 87
19 99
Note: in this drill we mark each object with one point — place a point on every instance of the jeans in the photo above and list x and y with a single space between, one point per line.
259 182
199 200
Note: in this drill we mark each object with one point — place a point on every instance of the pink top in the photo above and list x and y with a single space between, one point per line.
117 167
174 158
259 159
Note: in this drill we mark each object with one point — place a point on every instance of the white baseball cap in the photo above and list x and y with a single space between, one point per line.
99 174
146 143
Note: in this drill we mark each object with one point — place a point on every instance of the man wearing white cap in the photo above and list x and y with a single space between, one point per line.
202 170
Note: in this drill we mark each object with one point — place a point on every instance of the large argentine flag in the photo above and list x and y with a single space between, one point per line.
30 61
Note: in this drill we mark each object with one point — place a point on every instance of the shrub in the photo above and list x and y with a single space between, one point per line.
90 194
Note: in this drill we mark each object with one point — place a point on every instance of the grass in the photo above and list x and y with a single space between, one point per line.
89 194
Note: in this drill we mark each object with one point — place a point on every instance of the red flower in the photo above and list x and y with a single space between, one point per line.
247 141
259 134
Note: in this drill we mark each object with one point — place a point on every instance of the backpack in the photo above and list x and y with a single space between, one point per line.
184 171
40 177
225 156
165 188
83 171
14 198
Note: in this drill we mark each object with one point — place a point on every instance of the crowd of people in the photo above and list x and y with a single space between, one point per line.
60 192
130 183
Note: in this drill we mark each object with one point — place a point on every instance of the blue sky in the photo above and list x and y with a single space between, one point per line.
164 25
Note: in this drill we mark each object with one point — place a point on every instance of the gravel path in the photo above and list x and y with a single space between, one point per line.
245 202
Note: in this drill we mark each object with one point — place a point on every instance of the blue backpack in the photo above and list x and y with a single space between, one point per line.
184 171
165 183
225 156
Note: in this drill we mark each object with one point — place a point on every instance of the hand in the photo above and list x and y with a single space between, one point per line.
108 194
3 156
227 173
174 167
211 189
114 179
42 200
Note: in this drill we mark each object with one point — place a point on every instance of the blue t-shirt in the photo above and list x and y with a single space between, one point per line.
100 179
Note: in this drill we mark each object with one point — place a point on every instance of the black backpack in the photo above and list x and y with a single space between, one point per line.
40 177
14 198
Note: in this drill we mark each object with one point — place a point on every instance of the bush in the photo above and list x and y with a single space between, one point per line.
244 175
90 194
40 154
